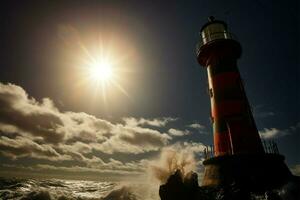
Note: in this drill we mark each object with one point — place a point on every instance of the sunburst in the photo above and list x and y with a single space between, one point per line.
101 71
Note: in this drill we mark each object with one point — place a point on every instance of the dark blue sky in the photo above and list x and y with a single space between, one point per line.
166 80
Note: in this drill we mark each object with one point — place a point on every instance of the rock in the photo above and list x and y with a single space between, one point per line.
179 187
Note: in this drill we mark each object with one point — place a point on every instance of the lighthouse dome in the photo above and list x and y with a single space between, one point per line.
214 30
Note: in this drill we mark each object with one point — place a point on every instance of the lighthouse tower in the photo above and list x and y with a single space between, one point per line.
239 155
234 128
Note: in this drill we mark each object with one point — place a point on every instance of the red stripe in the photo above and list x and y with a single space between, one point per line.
244 137
226 108
224 80
222 143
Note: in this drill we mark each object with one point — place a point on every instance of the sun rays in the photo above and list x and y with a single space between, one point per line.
101 69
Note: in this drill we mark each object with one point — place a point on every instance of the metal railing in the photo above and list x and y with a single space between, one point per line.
213 37
270 147
208 152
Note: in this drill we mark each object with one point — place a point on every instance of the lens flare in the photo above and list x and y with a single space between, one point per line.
101 71
100 66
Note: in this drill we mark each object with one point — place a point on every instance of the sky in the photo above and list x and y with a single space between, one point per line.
56 121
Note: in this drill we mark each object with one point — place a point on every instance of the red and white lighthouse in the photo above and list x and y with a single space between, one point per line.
239 154
234 128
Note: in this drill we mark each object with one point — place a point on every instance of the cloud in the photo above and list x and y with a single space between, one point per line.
296 170
143 136
73 141
260 112
196 126
24 147
110 167
270 133
157 122
30 128
176 132
133 140
199 127
264 114
170 158
28 115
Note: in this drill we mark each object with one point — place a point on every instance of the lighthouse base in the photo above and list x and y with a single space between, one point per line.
257 172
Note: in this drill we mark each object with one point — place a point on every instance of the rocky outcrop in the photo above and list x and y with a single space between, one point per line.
179 187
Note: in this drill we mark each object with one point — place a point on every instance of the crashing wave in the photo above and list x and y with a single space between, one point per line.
54 189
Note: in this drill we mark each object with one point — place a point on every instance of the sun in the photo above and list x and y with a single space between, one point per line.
101 71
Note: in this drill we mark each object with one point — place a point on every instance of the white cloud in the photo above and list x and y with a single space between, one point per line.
296 170
269 133
72 141
176 132
261 112
26 123
24 147
156 122
133 140
196 126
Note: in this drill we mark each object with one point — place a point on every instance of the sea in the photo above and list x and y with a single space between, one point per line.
57 189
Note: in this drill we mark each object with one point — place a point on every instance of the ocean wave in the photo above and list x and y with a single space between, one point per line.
31 189
55 189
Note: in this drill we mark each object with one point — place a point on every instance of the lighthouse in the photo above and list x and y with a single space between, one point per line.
234 128
239 155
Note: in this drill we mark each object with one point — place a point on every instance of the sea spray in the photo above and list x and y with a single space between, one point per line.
143 187
146 186
170 160
134 191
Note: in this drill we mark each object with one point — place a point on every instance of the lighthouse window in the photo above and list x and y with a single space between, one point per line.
211 92
212 120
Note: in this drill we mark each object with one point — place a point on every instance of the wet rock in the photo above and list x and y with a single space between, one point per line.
187 188
179 187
